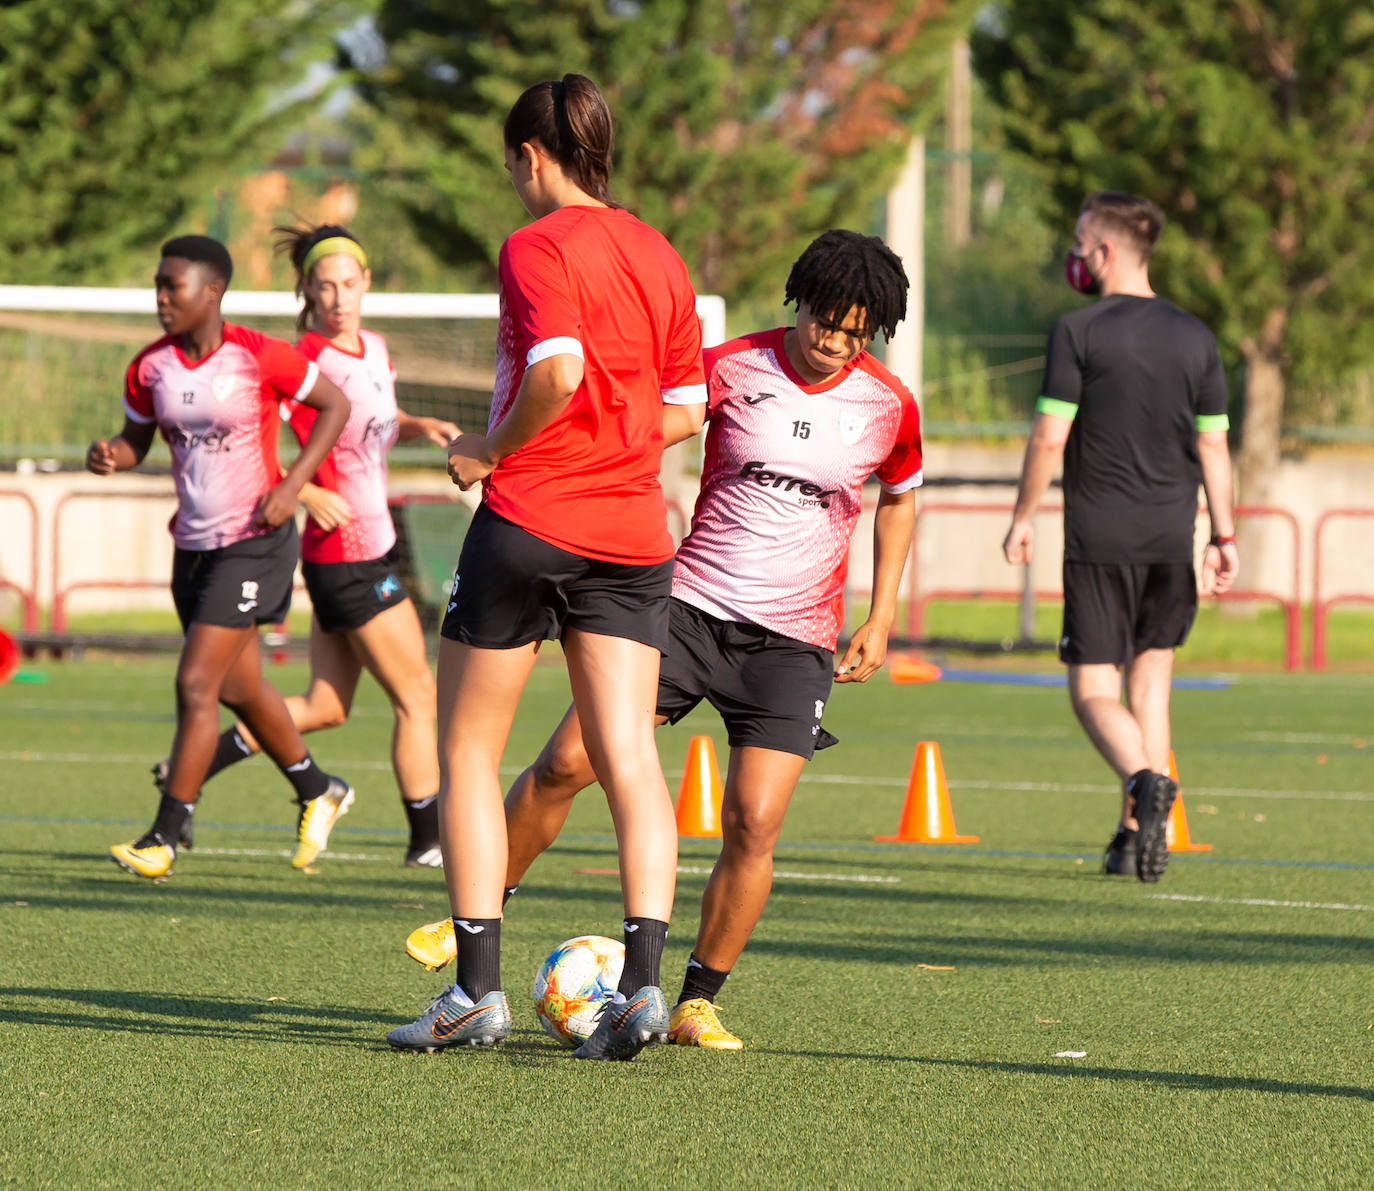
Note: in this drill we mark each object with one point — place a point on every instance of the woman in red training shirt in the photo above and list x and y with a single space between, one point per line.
598 337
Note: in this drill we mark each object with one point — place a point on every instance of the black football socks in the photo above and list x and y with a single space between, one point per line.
231 749
479 955
306 778
423 817
701 982
172 814
644 939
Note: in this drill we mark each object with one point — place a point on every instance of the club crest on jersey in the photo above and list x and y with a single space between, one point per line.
851 427
223 386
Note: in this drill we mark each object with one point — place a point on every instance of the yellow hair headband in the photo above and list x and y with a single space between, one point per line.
328 248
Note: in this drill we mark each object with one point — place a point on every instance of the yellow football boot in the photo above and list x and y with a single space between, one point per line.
146 856
695 1023
433 944
317 820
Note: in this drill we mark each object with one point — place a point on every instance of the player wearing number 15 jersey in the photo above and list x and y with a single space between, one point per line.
799 418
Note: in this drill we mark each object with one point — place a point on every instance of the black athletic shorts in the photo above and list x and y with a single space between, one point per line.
237 586
1113 611
769 689
346 595
512 588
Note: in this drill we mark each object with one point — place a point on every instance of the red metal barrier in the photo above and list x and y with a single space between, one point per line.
917 603
1322 605
28 596
1291 603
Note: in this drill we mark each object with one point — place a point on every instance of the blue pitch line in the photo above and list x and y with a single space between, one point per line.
909 849
1013 678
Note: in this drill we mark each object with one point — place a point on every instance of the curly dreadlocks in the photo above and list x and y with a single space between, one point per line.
841 269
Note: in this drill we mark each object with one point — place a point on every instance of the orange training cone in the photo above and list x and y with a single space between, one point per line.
927 817
699 796
1176 837
912 669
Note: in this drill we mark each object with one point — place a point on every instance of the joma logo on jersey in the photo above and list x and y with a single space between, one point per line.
756 470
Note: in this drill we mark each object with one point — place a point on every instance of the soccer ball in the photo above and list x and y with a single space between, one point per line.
571 984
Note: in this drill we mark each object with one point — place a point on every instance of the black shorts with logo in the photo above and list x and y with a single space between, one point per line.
770 690
346 595
512 588
240 585
1113 611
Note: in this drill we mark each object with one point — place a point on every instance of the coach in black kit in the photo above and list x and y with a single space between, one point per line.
1134 400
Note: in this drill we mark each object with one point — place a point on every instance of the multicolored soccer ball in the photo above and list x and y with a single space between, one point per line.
571 984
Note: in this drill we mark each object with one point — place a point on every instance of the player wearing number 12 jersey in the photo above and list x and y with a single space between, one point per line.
799 418
213 390
362 615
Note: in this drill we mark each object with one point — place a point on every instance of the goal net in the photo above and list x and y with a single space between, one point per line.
99 553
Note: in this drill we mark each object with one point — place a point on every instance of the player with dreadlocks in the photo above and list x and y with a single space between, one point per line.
799 418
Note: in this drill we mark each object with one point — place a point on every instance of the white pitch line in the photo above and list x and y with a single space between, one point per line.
859 878
1259 901
823 779
693 870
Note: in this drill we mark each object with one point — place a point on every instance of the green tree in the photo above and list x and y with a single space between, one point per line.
1250 123
117 117
742 128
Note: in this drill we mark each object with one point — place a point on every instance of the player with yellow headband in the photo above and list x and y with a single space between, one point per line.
363 617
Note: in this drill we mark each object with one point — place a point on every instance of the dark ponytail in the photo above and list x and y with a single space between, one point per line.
572 123
296 243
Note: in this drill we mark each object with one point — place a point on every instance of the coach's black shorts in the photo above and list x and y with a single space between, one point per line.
1113 611
346 595
769 689
512 588
237 586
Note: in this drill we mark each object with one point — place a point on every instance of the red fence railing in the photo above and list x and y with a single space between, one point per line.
28 596
1290 603
1321 605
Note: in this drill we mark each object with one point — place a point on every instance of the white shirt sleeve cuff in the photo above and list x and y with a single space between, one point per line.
563 345
133 416
905 486
685 395
312 374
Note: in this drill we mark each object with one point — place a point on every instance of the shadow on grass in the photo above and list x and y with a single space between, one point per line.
175 1015
1230 947
1185 1080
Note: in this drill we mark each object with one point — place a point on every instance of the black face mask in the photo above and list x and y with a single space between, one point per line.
1077 275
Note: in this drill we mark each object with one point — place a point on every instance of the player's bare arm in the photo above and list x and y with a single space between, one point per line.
1044 451
681 422
545 391
329 509
1220 560
125 451
894 521
327 399
437 430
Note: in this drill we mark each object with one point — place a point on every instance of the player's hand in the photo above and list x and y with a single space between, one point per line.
275 505
1016 546
329 509
864 656
468 461
439 432
1219 567
100 458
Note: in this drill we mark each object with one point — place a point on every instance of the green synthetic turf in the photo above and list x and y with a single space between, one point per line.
225 1028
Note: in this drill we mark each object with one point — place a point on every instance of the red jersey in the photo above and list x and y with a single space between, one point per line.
356 467
219 416
597 283
782 483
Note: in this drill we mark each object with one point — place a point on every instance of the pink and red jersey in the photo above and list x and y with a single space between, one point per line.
597 283
356 467
219 416
782 483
